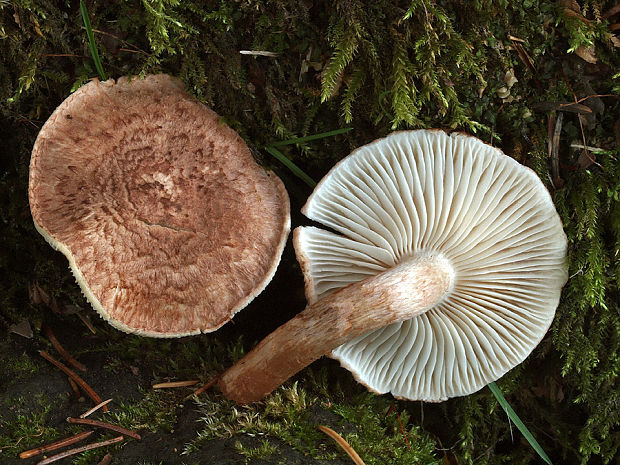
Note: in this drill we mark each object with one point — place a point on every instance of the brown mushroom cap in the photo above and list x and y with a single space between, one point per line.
169 225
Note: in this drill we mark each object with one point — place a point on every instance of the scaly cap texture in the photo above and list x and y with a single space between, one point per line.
169 225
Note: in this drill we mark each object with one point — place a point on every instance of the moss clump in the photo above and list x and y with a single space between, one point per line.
154 412
265 450
26 427
292 414
16 368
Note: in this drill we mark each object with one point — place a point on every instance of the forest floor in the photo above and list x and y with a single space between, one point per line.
538 79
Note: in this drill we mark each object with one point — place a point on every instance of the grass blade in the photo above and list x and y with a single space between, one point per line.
91 41
296 170
517 421
299 140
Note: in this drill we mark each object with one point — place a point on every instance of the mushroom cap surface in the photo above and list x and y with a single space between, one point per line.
169 225
423 192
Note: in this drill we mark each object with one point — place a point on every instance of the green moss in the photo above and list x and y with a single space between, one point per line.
154 411
265 450
377 65
26 427
292 415
19 367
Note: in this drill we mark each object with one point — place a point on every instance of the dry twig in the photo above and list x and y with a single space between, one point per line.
95 408
400 423
61 350
554 151
86 322
527 60
175 384
202 389
102 424
79 450
85 387
74 387
342 443
55 445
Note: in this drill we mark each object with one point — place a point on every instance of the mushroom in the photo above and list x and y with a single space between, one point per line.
169 225
441 270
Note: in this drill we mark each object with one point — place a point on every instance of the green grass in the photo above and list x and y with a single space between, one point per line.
497 392
296 170
91 42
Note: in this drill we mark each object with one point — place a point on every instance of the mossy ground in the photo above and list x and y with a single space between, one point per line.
374 66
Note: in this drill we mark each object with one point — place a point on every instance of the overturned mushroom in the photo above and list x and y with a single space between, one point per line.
169 225
444 272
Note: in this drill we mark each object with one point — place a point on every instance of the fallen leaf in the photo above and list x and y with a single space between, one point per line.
22 329
587 54
510 79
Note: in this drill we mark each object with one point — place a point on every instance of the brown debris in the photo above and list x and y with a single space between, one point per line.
22 328
106 460
554 129
83 385
79 450
587 54
55 445
61 350
570 107
175 384
37 294
95 408
526 59
75 388
202 389
102 424
87 322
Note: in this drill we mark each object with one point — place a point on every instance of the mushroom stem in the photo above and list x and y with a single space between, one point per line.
400 293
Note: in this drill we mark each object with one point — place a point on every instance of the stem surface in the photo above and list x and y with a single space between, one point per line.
402 292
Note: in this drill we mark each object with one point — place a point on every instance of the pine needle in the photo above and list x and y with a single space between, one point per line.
518 423
342 443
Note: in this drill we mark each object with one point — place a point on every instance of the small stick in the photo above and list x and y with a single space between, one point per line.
342 443
106 460
75 388
261 53
95 408
55 445
79 450
400 423
85 387
202 389
402 430
62 55
555 147
61 350
117 38
591 149
86 322
174 384
102 424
